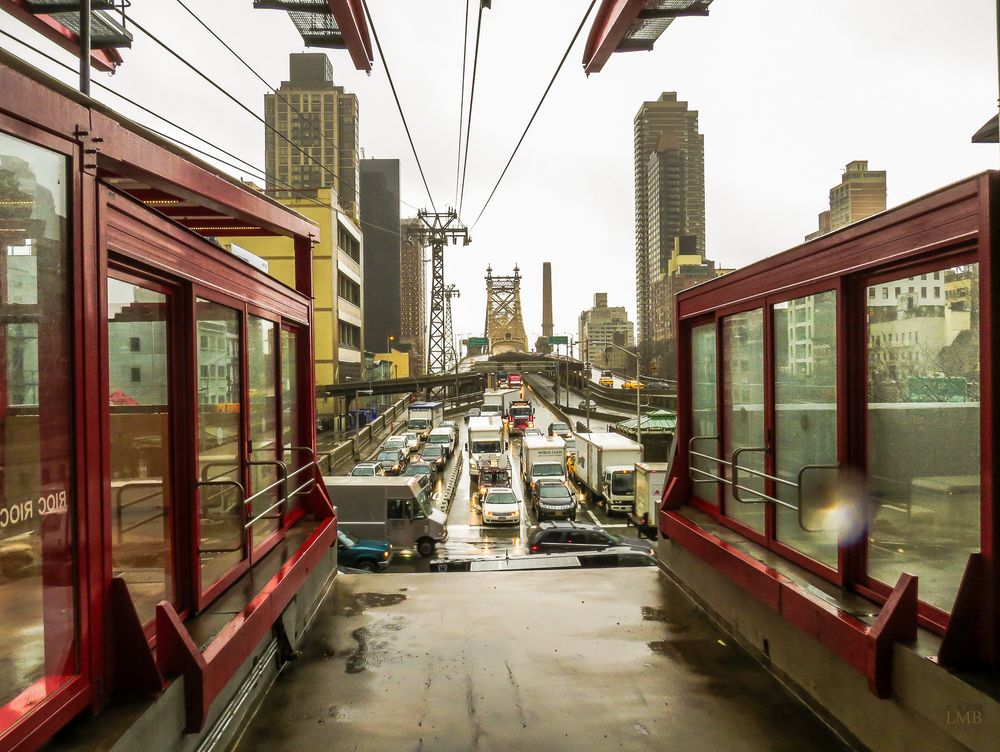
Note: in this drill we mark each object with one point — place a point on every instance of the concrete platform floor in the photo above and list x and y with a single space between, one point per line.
566 660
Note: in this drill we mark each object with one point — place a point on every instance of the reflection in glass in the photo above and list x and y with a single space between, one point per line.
805 395
219 468
743 410
923 430
139 422
262 368
37 598
290 408
704 412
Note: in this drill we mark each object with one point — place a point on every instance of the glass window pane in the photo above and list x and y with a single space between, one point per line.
139 421
704 416
262 368
743 410
37 569
219 462
923 436
290 405
805 395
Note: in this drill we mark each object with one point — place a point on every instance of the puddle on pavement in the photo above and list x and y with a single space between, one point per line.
356 603
372 645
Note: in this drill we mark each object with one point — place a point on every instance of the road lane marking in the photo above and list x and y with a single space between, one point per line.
593 517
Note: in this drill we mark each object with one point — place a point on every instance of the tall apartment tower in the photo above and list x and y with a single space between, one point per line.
669 195
598 328
319 118
861 193
413 295
546 298
383 246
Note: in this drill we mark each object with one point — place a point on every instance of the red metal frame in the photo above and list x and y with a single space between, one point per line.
611 22
112 231
948 227
350 17
102 60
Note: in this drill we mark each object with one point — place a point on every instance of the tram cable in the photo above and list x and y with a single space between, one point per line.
399 106
461 100
537 108
472 97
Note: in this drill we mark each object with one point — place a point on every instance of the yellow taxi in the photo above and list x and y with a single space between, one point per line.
606 381
633 385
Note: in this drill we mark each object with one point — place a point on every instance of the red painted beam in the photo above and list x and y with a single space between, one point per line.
350 17
612 22
103 60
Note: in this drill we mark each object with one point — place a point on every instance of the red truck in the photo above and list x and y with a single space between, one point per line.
514 381
520 415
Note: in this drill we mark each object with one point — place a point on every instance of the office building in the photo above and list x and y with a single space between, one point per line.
380 222
598 328
669 195
320 120
860 194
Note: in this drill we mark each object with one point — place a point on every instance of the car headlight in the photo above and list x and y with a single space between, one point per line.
385 554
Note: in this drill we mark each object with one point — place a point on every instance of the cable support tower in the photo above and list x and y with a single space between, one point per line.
451 354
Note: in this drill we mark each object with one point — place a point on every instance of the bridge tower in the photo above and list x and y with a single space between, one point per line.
450 353
504 325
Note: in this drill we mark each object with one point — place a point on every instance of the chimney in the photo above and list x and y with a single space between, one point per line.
546 299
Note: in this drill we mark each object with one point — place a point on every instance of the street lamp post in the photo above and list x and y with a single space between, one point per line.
638 416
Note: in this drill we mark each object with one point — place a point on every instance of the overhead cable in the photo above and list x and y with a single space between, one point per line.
537 108
472 97
388 75
461 99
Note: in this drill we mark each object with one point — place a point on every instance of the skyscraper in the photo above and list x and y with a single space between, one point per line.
321 122
598 328
380 224
860 193
669 196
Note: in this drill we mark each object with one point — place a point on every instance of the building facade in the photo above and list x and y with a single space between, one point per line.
600 327
669 194
316 143
413 295
860 194
380 221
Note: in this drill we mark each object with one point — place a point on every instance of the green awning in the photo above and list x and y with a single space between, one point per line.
658 421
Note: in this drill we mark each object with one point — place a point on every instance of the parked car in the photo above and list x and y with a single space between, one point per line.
436 455
500 507
567 536
425 474
368 469
358 553
559 429
472 412
552 498
587 405
633 385
533 432
397 442
393 460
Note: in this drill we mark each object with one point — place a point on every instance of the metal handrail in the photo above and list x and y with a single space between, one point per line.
282 468
692 469
119 506
243 511
763 497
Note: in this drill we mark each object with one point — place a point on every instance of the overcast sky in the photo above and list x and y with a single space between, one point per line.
788 91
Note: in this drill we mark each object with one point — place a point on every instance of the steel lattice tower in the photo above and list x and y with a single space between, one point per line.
450 355
504 325
436 228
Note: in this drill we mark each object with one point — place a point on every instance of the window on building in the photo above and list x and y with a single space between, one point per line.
135 344
136 375
885 293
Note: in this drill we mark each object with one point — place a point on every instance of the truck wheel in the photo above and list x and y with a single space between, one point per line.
366 566
425 547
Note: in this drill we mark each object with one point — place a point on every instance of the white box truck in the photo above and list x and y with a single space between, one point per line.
486 443
650 480
605 468
496 401
542 457
390 509
423 416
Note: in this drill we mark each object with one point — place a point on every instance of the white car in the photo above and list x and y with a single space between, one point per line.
500 507
412 440
398 442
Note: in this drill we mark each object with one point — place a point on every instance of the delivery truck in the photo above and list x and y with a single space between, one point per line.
423 416
542 457
486 443
396 510
497 401
605 469
520 415
650 479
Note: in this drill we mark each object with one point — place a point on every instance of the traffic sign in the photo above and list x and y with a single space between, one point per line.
559 339
478 342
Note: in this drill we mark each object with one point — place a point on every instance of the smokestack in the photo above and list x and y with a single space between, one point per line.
546 299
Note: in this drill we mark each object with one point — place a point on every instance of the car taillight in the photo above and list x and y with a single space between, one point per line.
534 548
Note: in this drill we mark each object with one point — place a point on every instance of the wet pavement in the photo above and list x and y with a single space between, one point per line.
556 660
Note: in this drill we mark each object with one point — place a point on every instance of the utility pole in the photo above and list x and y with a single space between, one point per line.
638 414
436 229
